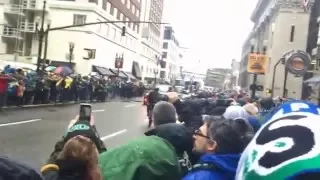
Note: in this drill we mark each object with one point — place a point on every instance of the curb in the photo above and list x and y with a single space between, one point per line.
60 104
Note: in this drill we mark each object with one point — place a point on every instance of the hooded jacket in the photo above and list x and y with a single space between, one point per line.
225 167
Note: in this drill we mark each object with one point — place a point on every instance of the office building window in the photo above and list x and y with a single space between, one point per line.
134 27
133 9
113 33
104 4
112 10
118 15
138 13
138 28
79 19
292 33
123 1
164 55
165 45
128 4
93 1
107 30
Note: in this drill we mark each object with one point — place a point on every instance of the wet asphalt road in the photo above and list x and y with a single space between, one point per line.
29 135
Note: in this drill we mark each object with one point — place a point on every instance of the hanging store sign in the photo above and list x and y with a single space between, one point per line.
257 63
298 62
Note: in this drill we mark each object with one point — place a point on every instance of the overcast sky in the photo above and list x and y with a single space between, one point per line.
212 30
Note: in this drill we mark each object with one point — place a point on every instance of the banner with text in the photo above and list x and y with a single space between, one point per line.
257 63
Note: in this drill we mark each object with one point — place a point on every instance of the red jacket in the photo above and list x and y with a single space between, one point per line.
3 84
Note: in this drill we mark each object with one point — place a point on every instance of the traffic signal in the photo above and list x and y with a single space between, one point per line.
123 31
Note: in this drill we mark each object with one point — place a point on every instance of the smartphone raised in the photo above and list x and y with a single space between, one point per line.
85 112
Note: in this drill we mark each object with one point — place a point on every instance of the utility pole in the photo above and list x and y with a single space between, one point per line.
41 33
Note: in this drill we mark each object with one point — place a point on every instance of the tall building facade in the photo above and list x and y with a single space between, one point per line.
216 77
151 38
18 31
234 79
313 48
281 26
170 55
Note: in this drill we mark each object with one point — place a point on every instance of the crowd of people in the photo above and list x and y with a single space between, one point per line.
219 137
20 86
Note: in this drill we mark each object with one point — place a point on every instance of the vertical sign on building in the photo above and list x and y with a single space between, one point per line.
257 63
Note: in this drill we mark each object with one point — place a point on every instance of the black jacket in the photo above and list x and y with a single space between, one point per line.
189 112
68 170
180 137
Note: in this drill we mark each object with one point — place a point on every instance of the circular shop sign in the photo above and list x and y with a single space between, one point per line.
298 63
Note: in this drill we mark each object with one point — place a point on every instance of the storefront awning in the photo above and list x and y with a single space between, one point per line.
120 74
61 63
130 76
102 71
136 71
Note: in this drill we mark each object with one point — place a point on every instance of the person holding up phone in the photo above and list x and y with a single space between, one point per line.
80 129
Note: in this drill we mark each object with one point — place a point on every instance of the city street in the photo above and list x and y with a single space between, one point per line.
29 135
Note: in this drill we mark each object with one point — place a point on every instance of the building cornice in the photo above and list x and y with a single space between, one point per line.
267 13
256 10
89 7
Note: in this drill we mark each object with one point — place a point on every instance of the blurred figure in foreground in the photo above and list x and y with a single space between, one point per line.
75 157
286 147
220 143
146 158
13 170
77 161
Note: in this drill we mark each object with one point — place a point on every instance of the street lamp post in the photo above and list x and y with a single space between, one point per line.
71 48
41 33
282 60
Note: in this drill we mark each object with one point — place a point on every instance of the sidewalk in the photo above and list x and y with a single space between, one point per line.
137 99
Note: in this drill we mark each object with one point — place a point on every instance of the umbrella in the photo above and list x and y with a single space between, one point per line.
63 70
50 68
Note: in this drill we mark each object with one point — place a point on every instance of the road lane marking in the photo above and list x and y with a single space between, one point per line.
113 134
19 122
130 105
98 110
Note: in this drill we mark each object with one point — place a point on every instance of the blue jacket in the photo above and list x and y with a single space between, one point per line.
226 167
255 123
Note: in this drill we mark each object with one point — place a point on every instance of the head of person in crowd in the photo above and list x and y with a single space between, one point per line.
222 136
220 143
14 170
79 158
163 113
217 111
251 109
145 158
287 146
267 103
236 112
